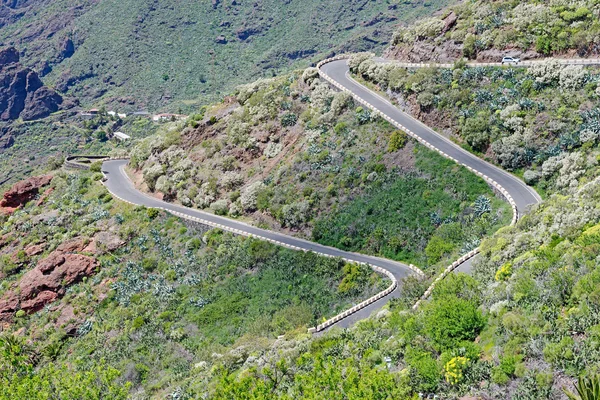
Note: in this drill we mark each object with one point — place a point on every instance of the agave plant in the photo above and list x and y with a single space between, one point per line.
482 205
586 388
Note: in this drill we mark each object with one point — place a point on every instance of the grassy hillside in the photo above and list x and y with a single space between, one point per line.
165 298
291 154
485 30
169 53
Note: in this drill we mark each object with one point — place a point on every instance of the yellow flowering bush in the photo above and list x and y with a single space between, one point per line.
454 369
504 272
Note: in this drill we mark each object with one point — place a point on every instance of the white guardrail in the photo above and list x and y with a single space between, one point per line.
71 163
320 327
490 181
394 282
570 61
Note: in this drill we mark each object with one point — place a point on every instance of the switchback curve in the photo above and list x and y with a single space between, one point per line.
120 186
519 195
335 71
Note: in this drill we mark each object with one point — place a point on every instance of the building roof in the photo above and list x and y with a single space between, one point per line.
122 135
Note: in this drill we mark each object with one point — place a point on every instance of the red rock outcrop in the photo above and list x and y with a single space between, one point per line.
48 280
72 245
22 192
43 198
34 249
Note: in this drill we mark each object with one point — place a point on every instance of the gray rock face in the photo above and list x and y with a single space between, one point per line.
22 93
426 52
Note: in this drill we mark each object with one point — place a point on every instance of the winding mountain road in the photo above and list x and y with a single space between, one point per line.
336 71
523 195
119 185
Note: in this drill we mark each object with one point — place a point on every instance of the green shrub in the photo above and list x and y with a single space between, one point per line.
138 322
437 248
449 321
152 213
289 119
96 166
397 141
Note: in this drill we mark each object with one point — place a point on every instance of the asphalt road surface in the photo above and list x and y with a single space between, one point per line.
119 184
523 195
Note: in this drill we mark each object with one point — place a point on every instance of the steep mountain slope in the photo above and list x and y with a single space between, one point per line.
488 29
176 312
293 155
22 93
85 277
154 53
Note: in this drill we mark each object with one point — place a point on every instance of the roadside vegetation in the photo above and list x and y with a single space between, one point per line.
540 122
484 29
168 301
291 154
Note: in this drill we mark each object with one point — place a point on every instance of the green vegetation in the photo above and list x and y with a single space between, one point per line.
174 54
41 145
541 122
413 218
335 173
484 26
351 364
587 389
180 312
171 302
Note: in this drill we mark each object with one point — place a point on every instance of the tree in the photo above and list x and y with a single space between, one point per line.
101 136
449 320
475 131
469 48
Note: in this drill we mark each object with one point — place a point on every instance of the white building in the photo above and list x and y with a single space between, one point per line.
121 136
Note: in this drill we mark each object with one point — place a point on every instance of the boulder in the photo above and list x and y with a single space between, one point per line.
72 245
34 249
38 302
107 241
449 22
22 192
9 55
54 273
48 280
43 198
9 304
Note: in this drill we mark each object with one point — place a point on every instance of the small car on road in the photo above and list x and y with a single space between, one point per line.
510 60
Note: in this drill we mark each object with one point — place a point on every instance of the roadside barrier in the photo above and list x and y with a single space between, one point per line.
490 181
70 162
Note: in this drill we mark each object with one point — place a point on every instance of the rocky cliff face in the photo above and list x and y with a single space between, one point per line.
22 93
